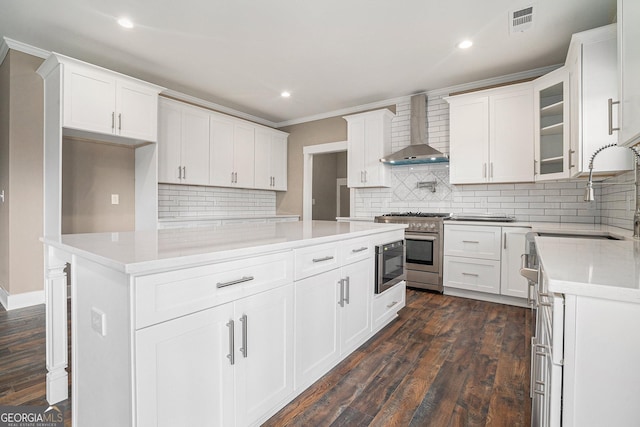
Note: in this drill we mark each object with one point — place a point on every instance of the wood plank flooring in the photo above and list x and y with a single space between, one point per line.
445 361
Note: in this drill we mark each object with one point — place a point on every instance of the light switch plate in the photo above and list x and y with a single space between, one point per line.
115 199
98 321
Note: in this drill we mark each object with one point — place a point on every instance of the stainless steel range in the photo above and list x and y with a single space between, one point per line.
424 246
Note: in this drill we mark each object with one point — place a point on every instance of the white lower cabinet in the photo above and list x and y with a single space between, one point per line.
333 317
227 365
483 261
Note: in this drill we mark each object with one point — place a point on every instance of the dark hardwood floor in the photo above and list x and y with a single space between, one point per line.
445 361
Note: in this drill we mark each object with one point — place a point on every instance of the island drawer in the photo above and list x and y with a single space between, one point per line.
387 304
316 259
165 296
354 250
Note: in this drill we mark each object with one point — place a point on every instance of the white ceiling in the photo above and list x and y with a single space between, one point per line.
330 54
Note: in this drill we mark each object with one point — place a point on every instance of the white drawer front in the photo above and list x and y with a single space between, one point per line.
315 260
355 250
473 241
387 304
472 274
165 296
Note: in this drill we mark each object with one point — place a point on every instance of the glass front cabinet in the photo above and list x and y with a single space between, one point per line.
553 155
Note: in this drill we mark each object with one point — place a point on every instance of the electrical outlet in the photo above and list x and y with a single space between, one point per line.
115 199
98 321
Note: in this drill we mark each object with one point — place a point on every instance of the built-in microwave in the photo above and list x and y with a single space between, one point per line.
390 265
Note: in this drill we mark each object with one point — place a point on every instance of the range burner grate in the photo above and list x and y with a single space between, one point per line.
420 214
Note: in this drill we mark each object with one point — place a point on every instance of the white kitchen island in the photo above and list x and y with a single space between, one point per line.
587 344
217 326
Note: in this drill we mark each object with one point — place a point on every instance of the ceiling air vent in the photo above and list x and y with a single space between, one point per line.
521 20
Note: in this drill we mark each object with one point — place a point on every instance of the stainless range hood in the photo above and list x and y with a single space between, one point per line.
418 152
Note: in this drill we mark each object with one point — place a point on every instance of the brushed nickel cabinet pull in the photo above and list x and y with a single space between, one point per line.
231 355
326 258
392 304
470 274
347 290
184 172
341 302
113 120
234 282
243 349
611 104
470 241
119 121
355 251
571 158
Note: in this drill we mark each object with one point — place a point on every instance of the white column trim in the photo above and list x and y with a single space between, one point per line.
56 328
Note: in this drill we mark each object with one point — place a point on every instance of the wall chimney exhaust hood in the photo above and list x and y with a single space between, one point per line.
418 152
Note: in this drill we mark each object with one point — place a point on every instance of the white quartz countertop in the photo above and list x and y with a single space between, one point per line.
557 228
141 252
591 267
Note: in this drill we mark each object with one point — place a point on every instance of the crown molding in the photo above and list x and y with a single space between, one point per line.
345 111
8 43
537 72
431 93
217 107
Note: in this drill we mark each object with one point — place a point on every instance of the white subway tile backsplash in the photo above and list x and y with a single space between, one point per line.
191 201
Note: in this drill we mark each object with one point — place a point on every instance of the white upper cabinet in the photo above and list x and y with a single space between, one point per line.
183 144
101 101
593 80
232 151
369 140
629 69
271 160
553 154
491 135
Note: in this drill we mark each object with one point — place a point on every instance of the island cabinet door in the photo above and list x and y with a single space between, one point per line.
264 358
184 374
355 315
316 326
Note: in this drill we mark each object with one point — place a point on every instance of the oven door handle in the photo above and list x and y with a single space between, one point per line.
420 237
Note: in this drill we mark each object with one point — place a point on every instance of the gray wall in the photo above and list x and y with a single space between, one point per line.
91 173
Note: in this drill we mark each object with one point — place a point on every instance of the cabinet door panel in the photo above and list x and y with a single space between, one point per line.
355 316
89 100
316 335
629 66
512 283
137 110
279 149
221 152
195 146
374 131
243 155
469 135
265 371
355 153
263 160
169 142
183 375
511 137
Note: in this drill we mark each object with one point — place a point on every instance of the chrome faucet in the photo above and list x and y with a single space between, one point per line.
588 191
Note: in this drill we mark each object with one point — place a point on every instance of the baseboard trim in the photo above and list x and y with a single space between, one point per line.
482 296
26 299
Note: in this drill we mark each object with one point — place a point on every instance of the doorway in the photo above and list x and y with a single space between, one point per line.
321 188
329 171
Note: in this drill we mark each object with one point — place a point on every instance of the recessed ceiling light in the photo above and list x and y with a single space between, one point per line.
285 94
465 44
125 22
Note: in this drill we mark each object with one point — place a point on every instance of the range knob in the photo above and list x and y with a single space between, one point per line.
432 226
